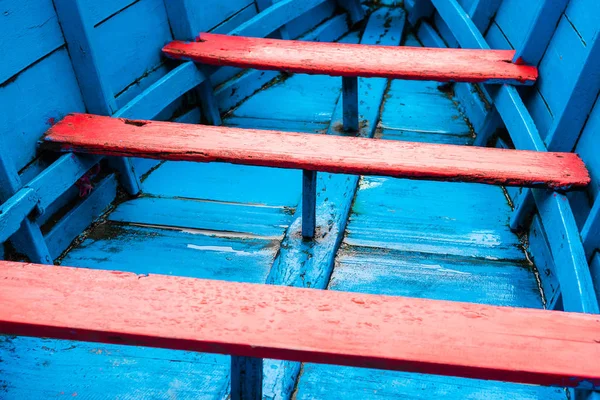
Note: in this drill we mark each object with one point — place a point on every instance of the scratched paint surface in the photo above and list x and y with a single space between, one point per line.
422 239
215 221
426 239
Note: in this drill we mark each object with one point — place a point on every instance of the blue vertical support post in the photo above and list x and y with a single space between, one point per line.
246 378
350 104
77 28
29 239
354 9
309 203
179 15
261 5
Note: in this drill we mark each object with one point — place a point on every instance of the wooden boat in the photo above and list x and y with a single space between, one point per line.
299 199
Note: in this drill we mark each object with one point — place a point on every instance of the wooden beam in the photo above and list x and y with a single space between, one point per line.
266 321
100 135
351 60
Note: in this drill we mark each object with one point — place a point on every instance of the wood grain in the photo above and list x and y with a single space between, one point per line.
352 60
265 321
349 155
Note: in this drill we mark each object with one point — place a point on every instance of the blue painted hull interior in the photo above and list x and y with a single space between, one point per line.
435 240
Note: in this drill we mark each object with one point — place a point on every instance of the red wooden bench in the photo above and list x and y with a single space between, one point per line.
263 321
86 133
355 60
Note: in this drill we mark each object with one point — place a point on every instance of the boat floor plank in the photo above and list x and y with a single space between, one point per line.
447 241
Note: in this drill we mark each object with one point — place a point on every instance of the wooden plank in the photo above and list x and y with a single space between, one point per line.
351 60
265 321
453 14
98 96
274 17
313 265
540 31
348 155
590 234
573 272
262 5
482 12
162 93
26 235
14 211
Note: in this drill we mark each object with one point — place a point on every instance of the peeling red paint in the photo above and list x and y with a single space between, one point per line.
351 60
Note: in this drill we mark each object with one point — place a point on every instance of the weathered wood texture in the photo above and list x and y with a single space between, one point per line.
265 321
349 155
351 60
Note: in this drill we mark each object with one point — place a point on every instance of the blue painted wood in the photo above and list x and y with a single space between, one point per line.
590 234
469 95
518 121
235 91
208 103
29 32
274 17
193 17
426 239
60 176
567 126
309 263
14 211
540 31
309 203
490 126
482 12
417 9
181 17
97 95
463 28
571 119
80 217
77 28
350 104
246 378
28 238
556 214
595 269
541 255
354 9
282 33
563 236
162 93
25 118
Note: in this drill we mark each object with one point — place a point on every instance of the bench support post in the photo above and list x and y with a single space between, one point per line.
246 378
309 203
208 102
350 103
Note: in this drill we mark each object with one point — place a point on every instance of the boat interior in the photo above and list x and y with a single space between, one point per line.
440 239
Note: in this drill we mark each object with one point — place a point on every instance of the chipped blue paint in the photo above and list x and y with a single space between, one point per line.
309 264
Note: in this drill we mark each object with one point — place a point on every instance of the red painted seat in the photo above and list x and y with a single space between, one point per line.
354 60
265 321
185 142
